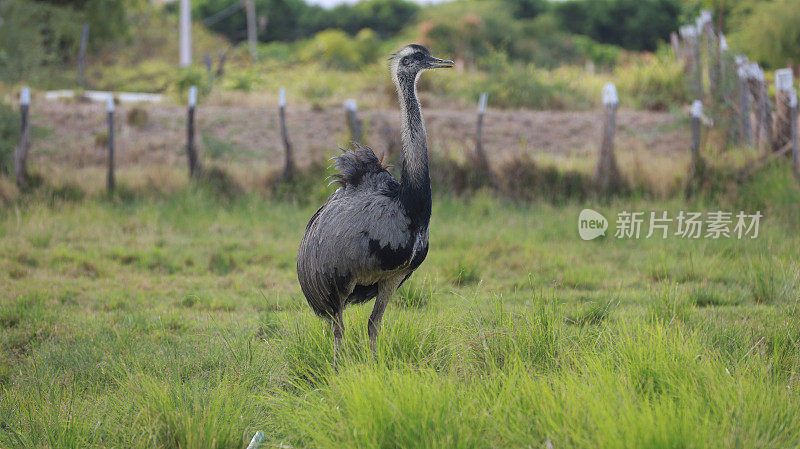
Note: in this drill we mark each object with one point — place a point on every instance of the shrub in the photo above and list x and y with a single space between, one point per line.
335 49
192 76
769 33
523 87
655 83
243 80
137 117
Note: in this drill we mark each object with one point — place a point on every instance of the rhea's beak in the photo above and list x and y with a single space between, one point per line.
436 63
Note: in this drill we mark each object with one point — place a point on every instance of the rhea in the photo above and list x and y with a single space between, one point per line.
372 233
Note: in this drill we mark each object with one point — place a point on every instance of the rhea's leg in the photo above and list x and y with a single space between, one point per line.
338 329
385 290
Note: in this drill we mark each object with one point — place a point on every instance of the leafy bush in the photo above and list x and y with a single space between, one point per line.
510 85
335 49
653 82
243 80
192 76
769 33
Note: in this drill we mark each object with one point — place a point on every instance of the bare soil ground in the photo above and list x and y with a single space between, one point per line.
75 134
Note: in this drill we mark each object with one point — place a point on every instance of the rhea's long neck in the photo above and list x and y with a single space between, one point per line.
415 180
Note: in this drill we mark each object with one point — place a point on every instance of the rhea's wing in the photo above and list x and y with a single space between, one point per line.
347 240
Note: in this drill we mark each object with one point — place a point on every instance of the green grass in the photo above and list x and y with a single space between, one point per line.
178 322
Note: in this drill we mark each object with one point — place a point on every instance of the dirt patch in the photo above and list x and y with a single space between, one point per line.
251 134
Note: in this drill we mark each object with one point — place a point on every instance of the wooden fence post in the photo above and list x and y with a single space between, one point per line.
697 167
693 64
763 136
783 114
82 55
705 25
250 12
686 32
209 67
221 63
110 184
795 155
676 44
353 122
483 162
607 174
722 47
191 150
288 169
697 115
21 154
766 110
746 128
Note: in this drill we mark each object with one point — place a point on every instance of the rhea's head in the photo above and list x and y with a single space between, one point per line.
413 59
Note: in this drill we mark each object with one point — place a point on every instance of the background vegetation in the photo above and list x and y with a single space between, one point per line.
505 47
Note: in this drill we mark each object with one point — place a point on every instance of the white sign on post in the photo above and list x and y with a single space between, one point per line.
697 109
25 96
705 17
110 103
753 71
192 96
783 79
484 98
687 31
282 97
610 97
350 105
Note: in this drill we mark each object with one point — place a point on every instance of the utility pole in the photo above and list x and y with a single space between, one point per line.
250 9
186 33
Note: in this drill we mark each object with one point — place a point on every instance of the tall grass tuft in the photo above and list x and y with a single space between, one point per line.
464 272
180 414
671 303
416 294
771 282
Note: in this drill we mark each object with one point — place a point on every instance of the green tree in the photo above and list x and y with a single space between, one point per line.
385 17
290 20
107 19
527 9
35 33
632 24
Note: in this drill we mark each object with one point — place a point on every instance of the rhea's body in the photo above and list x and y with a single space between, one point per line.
388 245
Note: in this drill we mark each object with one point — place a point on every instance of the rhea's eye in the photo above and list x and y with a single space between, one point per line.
405 61
418 56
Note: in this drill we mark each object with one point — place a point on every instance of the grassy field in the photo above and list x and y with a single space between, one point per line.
178 322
